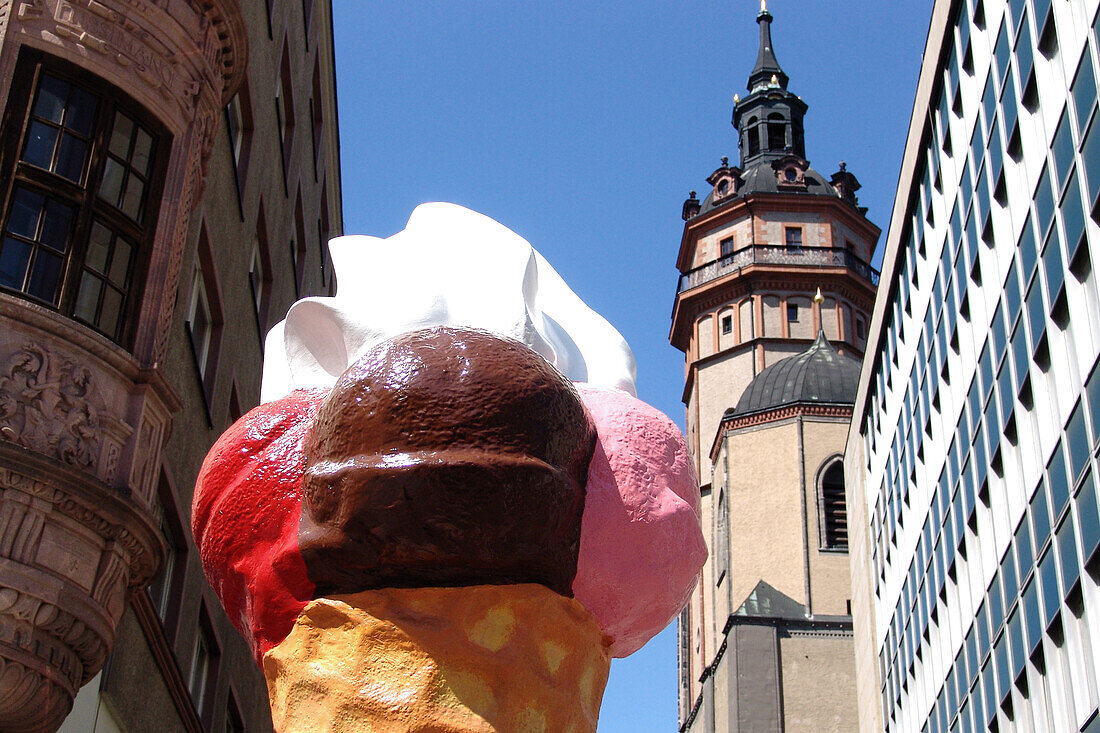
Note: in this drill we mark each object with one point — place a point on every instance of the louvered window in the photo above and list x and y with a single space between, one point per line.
833 510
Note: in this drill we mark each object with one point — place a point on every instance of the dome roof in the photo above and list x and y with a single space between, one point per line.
819 375
760 178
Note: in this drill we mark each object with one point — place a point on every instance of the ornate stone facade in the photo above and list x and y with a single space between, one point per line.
83 421
182 60
70 549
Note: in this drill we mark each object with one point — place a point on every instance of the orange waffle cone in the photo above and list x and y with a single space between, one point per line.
489 658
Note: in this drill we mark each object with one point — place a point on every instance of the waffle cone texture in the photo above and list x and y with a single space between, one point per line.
477 659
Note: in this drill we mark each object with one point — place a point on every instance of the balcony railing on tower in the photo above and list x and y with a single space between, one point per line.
778 255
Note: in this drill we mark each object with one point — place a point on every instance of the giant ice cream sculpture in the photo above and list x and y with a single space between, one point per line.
450 510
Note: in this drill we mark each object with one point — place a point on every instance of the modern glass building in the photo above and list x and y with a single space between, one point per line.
971 462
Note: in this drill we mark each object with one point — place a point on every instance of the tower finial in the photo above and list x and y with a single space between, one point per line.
767 65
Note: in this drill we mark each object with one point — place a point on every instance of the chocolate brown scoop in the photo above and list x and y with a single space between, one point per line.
446 457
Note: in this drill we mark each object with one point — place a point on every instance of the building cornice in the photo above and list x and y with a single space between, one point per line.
801 409
755 203
764 279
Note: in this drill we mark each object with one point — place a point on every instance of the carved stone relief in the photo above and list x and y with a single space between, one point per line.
45 405
147 449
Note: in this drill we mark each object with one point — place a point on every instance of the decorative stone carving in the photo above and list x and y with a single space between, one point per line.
725 181
76 535
71 549
45 406
790 173
189 192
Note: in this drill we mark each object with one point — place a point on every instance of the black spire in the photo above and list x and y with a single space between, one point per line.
767 65
769 120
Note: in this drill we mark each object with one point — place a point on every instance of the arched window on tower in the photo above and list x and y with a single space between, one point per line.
834 513
753 133
722 537
777 132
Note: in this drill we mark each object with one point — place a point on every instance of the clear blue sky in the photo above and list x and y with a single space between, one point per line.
582 126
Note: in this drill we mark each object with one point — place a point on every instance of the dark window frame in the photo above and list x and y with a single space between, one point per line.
206 365
205 634
168 601
284 112
832 507
240 158
88 207
794 244
261 301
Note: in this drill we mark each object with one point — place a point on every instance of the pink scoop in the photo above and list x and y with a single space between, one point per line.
642 544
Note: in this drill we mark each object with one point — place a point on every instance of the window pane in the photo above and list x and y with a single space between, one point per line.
1052 597
121 133
1009 580
1040 517
1020 355
1025 56
13 263
142 151
120 262
1090 153
131 202
1077 442
1029 253
1000 658
111 186
1092 388
56 225
1052 265
51 98
87 299
996 605
40 143
70 158
1044 203
1089 518
1005 392
25 207
112 308
1059 483
1042 8
1001 52
44 275
1009 106
1084 90
1067 552
1073 217
1036 313
1062 149
81 111
1034 618
99 248
1024 553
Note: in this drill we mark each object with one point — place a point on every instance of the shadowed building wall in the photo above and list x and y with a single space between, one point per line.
168 179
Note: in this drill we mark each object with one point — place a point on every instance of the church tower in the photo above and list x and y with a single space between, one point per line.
774 299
